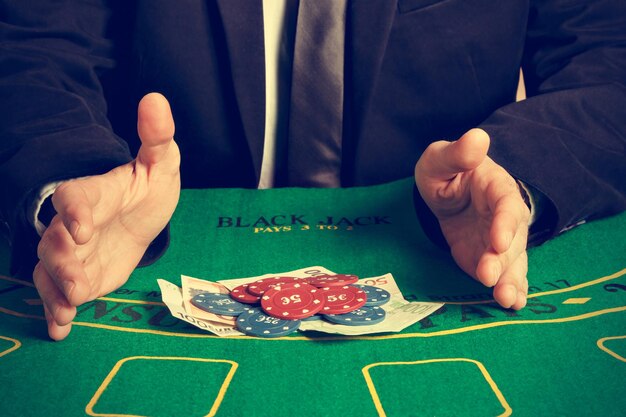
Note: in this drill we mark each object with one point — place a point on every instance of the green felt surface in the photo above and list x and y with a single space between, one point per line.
127 356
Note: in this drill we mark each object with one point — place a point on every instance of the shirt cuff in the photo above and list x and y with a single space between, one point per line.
35 207
532 199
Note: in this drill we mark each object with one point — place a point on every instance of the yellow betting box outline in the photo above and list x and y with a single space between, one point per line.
481 367
216 404
587 315
16 345
600 344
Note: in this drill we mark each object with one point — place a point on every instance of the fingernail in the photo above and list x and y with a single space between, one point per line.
68 287
74 228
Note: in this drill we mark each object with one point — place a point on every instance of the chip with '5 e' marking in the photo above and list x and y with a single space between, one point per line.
292 301
340 300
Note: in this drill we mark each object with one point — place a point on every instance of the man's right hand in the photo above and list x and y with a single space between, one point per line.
105 223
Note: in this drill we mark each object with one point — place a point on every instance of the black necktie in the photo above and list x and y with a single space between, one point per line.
316 108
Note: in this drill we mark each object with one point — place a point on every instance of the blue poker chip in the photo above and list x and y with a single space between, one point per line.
363 316
254 322
314 317
375 296
218 304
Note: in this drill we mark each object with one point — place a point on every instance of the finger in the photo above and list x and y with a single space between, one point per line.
492 264
512 288
56 331
155 126
56 252
74 202
510 216
444 160
60 311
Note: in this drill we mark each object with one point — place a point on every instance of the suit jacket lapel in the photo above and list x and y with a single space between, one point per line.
243 28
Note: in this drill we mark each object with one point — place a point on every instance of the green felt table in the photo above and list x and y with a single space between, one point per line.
564 354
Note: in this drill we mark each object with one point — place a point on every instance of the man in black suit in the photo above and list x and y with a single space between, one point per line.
416 71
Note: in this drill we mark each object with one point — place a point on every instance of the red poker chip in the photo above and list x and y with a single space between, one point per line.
261 286
241 294
293 301
338 280
340 300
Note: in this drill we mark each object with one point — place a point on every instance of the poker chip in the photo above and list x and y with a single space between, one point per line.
261 286
218 304
375 296
338 280
241 294
363 316
287 301
340 300
255 322
292 301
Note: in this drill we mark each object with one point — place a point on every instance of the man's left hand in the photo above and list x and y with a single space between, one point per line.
481 213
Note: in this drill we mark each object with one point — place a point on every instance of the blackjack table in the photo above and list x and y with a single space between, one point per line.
564 354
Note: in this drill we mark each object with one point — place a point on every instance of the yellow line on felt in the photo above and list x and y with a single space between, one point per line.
158 332
540 294
492 384
123 300
394 336
384 337
600 344
218 400
331 338
496 324
581 300
582 285
559 291
16 345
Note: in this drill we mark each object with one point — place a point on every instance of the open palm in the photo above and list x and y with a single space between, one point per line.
481 213
106 222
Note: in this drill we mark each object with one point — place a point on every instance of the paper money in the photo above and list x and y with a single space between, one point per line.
400 313
173 299
194 286
177 299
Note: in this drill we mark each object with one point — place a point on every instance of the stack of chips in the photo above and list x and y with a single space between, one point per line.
275 306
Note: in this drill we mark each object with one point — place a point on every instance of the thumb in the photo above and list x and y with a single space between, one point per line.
444 160
155 126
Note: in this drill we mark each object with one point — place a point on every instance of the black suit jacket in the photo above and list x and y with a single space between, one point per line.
72 72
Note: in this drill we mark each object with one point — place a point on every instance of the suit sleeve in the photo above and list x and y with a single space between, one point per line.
53 115
567 140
